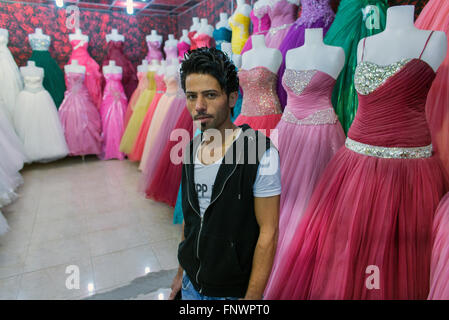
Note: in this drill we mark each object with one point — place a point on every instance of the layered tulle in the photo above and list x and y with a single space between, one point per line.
439 271
140 110
282 15
434 17
112 114
142 85
348 28
80 118
314 14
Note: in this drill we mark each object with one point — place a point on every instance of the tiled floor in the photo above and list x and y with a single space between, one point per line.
88 214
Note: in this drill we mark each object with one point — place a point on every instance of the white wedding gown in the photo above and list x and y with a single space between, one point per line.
37 123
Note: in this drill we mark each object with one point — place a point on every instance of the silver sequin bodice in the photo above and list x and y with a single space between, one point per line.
40 44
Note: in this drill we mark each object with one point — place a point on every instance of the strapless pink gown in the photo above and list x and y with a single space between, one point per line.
154 51
80 118
143 84
309 135
93 74
112 113
373 207
282 15
204 41
261 24
261 109
171 53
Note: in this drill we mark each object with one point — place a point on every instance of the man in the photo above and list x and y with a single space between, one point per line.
230 191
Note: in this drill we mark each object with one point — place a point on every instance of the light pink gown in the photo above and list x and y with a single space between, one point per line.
282 16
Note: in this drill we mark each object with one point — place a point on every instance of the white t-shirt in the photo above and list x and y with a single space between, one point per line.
267 183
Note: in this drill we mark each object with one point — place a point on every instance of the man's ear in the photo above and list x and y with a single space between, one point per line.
233 96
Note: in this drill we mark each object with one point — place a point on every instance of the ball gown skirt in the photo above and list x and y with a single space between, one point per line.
374 204
348 28
37 123
139 144
239 24
222 35
309 135
314 14
80 118
53 76
140 109
434 17
93 75
282 15
10 80
143 84
261 24
112 114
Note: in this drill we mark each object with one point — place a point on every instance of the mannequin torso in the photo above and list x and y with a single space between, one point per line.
195 24
112 68
143 67
243 8
74 67
114 36
78 36
185 36
171 42
223 23
39 36
205 28
154 37
261 56
30 70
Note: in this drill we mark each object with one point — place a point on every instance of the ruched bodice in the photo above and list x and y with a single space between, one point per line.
260 19
74 81
392 100
282 13
33 83
114 86
259 92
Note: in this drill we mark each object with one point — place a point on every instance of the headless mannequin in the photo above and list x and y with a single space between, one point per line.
154 37
161 70
38 35
154 65
185 36
223 23
112 68
171 42
261 56
78 36
243 8
401 39
315 55
115 36
205 28
226 47
143 67
30 70
74 67
172 68
261 3
195 25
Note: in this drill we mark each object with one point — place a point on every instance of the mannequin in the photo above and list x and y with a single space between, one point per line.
154 37
260 3
205 28
171 42
162 68
143 67
39 35
78 36
30 70
239 22
172 68
195 24
243 8
154 42
115 36
315 55
223 23
171 47
185 36
154 65
74 67
401 39
111 68
261 56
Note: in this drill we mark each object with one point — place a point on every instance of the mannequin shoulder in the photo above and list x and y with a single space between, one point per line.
436 49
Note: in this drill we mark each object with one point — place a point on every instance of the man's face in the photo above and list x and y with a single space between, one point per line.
207 102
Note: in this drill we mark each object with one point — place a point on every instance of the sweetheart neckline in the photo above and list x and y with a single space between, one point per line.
389 64
306 70
256 67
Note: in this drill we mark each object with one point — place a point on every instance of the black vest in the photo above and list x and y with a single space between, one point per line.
218 249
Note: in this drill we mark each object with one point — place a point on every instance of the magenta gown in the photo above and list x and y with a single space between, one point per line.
261 24
112 111
129 76
309 135
261 109
374 204
80 118
93 74
204 41
154 51
282 15
183 48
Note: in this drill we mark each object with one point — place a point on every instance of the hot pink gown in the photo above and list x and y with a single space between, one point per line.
309 135
261 109
80 118
261 24
93 74
434 16
374 204
183 48
282 15
112 113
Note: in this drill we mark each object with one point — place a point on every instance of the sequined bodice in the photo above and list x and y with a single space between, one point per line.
392 100
314 10
171 52
282 13
33 83
260 19
309 97
40 44
259 92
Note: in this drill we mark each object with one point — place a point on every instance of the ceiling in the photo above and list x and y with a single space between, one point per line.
141 7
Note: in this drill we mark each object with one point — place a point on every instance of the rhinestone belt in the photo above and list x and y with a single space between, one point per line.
389 152
326 116
272 31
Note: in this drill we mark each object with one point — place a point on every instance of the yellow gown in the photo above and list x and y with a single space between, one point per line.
239 24
140 109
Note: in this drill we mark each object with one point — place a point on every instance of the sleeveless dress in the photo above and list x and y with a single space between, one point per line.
139 144
261 24
10 80
374 204
282 15
53 75
309 135
203 41
171 52
129 75
154 51
37 123
348 28
140 110
434 17
314 14
80 118
93 75
261 109
239 24
142 85
112 114
183 48
222 35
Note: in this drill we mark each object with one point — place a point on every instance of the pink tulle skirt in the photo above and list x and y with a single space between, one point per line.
368 224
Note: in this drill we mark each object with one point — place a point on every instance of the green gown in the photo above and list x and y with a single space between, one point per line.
353 22
54 81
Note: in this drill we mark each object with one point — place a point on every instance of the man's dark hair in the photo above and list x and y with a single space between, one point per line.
213 62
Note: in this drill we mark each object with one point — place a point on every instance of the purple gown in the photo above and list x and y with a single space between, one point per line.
314 14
